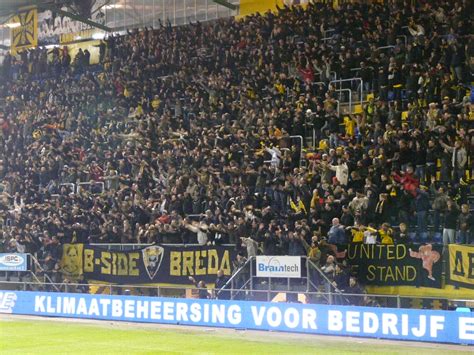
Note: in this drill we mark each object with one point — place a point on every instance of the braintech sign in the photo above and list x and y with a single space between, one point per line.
405 324
13 262
278 266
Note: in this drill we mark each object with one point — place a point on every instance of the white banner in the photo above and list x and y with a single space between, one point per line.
53 26
278 266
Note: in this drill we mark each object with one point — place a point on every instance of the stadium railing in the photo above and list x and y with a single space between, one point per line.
314 297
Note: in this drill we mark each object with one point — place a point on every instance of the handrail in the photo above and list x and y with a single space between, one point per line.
70 184
191 287
325 32
301 147
252 258
384 47
148 244
350 96
340 81
323 275
80 184
45 275
359 68
319 83
65 287
405 39
234 275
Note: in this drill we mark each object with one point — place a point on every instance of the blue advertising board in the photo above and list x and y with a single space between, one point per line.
13 262
388 323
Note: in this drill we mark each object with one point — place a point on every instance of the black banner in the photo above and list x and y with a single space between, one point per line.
395 265
152 264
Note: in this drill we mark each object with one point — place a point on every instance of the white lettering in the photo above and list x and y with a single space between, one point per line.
234 314
155 312
142 309
69 305
258 314
94 308
49 306
466 328
405 324
205 312
335 320
309 319
218 313
436 323
81 306
421 331
129 309
168 308
104 302
39 304
117 308
291 318
352 321
195 312
181 312
274 317
371 323
389 323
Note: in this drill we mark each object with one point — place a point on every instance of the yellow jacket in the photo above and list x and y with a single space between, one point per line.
386 236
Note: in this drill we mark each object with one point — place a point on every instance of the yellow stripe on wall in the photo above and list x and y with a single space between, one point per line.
248 7
447 292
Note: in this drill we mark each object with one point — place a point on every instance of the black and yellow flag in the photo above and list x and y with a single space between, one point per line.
461 265
26 35
71 261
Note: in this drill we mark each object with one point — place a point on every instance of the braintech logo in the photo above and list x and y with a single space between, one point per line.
11 260
278 266
7 301
274 266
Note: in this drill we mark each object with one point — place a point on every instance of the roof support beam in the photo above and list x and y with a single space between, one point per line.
80 19
226 4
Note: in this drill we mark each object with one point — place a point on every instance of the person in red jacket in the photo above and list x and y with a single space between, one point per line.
408 180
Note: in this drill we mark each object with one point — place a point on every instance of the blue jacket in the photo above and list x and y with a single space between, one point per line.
337 235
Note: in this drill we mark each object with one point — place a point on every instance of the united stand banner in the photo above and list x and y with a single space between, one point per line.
149 265
394 265
26 34
461 265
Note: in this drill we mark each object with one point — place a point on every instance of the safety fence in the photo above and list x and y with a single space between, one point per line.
267 295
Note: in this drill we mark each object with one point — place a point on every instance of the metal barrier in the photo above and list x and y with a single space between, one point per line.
350 80
245 281
350 96
91 184
301 140
385 47
405 38
134 246
310 297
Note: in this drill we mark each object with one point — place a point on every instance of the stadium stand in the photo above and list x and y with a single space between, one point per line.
239 132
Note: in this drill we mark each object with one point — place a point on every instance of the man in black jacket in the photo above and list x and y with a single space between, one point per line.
221 290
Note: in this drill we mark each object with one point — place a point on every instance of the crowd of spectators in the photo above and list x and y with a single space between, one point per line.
191 131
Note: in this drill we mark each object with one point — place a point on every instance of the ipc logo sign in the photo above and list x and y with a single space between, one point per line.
13 262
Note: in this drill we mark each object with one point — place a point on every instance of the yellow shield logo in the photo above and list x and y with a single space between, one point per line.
152 258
